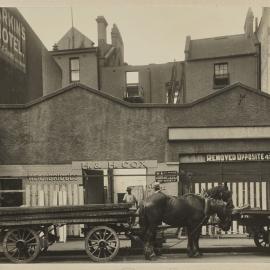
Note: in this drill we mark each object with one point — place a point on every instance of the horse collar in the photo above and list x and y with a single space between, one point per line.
206 206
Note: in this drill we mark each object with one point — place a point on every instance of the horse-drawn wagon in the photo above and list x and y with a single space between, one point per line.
26 232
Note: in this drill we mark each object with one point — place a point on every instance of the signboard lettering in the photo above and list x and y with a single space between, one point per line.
53 178
12 39
166 176
234 157
127 164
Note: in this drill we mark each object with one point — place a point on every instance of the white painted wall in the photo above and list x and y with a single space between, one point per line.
128 177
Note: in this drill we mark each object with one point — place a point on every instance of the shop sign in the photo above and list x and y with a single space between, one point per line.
234 157
127 164
166 176
53 178
12 39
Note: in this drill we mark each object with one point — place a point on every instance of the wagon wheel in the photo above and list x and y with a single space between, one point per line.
261 239
102 244
21 245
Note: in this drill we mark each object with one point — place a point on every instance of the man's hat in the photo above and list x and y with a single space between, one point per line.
156 185
128 188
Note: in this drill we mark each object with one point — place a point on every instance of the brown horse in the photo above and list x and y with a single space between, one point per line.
190 211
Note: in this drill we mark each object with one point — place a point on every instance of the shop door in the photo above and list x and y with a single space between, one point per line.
93 182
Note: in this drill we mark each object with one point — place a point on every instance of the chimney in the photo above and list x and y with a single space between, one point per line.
114 35
187 47
248 27
102 32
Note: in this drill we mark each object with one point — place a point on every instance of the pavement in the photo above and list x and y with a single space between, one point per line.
207 244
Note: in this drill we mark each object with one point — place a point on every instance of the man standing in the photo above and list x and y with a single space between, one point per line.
156 187
130 198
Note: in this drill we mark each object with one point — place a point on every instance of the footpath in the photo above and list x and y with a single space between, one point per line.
207 244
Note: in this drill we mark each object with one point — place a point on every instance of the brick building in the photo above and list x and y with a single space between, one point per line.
27 70
210 64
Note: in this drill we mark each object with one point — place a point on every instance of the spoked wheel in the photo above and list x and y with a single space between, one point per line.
102 244
21 245
261 238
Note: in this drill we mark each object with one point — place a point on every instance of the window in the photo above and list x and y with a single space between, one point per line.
221 75
132 77
133 91
11 192
74 69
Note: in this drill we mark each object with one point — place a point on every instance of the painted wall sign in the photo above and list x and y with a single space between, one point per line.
12 39
234 157
127 164
53 178
166 176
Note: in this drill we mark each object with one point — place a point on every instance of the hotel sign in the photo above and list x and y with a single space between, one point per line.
236 157
12 39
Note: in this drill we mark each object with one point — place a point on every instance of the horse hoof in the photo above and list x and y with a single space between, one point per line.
158 252
149 257
197 255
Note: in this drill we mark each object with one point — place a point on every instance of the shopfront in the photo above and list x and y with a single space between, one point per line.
247 175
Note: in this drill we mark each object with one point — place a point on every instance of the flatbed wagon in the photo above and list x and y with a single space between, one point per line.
257 223
26 232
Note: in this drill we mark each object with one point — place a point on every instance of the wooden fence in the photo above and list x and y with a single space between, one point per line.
53 195
244 193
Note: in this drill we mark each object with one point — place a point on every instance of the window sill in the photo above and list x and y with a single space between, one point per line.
220 86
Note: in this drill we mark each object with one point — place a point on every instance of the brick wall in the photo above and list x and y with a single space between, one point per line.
81 124
264 38
88 68
152 78
199 75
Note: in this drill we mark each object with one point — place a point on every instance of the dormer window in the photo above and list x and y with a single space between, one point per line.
74 69
221 75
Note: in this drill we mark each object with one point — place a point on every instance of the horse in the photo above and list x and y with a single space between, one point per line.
190 210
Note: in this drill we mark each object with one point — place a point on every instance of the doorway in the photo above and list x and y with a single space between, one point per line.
93 183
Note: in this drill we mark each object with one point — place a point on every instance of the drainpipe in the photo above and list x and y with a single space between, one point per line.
259 66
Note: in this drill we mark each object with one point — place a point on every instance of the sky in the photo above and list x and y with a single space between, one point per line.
152 31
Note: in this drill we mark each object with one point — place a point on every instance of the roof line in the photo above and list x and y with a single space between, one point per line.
218 37
128 104
77 50
224 56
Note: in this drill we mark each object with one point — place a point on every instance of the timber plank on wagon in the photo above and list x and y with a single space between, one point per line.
96 214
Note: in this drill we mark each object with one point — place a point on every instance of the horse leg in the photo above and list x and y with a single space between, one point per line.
197 252
148 247
190 246
157 247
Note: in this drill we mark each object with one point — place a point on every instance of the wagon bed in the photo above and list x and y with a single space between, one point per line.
257 222
29 231
79 214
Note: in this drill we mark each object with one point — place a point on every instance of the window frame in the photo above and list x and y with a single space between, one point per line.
73 70
221 76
